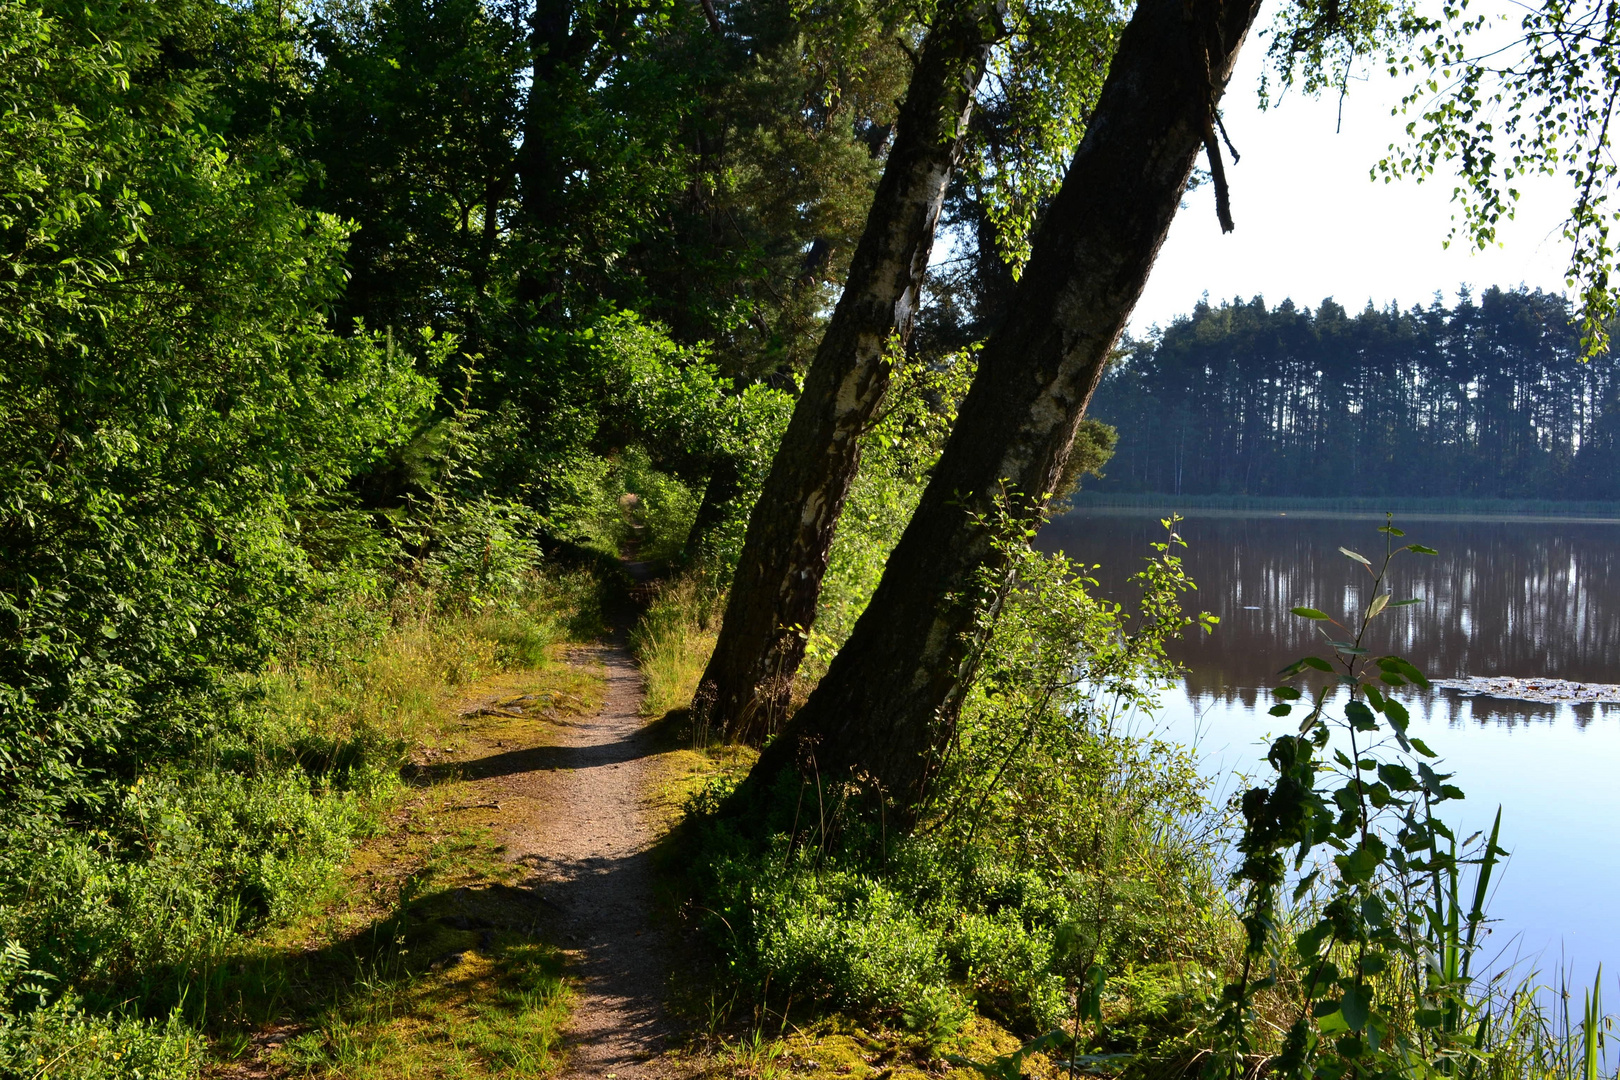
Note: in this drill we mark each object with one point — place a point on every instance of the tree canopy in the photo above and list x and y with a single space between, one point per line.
1488 398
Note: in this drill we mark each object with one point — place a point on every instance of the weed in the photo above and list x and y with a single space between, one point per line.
186 907
672 643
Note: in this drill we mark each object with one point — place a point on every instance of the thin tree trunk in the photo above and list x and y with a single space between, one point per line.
884 712
553 46
778 580
723 486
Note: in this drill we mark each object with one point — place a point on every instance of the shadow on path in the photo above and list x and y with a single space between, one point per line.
585 833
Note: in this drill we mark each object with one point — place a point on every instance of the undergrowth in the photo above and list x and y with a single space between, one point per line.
1067 879
1062 842
123 928
428 965
672 642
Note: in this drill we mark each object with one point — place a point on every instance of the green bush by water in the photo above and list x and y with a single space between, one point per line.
1056 840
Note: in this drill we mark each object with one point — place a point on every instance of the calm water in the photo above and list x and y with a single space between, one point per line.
1523 598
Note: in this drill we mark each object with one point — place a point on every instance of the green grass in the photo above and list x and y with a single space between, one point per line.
425 960
672 642
292 868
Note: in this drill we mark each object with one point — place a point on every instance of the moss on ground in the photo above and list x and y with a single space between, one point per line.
729 1036
838 1047
426 960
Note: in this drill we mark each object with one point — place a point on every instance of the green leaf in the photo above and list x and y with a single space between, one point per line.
1281 709
1404 603
1285 693
1398 777
1301 664
1333 1023
1423 747
1358 865
1354 1006
1421 550
1431 779
1309 613
1300 890
1362 559
1379 603
1361 718
1411 672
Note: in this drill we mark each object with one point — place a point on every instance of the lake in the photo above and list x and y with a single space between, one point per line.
1526 598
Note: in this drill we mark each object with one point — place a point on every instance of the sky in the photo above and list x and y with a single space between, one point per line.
1311 224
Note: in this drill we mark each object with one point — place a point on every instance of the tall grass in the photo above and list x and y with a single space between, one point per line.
1518 1027
117 933
673 641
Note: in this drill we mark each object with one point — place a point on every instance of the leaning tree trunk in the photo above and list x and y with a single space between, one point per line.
885 710
784 556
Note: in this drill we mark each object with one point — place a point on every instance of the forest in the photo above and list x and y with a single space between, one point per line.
365 366
1486 399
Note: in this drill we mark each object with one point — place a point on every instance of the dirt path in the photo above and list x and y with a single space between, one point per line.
579 820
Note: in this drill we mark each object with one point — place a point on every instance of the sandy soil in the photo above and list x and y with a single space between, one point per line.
577 816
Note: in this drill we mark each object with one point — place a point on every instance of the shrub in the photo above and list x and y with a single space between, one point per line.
1055 843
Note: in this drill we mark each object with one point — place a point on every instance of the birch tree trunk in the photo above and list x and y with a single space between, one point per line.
885 709
778 580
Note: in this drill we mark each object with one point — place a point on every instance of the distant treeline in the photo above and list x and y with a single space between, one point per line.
1486 399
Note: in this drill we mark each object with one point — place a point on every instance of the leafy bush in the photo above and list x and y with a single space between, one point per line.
666 426
172 397
64 1041
1056 843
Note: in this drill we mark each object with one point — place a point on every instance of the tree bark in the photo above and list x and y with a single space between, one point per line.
778 580
884 712
555 45
723 486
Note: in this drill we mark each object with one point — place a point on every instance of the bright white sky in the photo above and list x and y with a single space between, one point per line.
1311 224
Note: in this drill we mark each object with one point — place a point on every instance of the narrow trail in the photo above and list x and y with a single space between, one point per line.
579 820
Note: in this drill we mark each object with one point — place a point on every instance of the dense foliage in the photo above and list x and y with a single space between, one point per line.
1062 842
1485 399
171 401
329 332
224 476
177 428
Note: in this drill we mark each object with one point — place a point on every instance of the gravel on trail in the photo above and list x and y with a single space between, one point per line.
577 815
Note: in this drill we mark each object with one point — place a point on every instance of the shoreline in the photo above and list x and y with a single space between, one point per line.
1407 509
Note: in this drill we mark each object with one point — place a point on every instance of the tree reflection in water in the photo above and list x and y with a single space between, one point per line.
1525 597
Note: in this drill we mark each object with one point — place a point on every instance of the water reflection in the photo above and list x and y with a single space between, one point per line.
1519 598
1516 598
